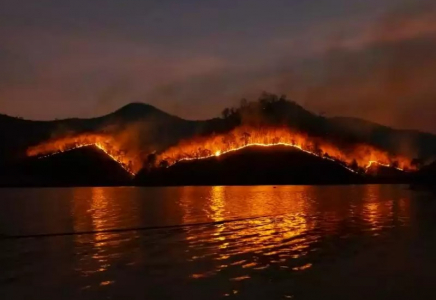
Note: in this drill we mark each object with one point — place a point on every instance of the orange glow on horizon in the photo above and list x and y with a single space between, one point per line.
130 162
217 145
350 157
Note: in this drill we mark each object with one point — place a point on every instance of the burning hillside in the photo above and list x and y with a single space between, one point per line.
266 122
127 158
133 137
354 157
253 165
83 166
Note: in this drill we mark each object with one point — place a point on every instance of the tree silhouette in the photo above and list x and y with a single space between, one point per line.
164 164
226 113
417 163
130 166
317 149
205 153
225 140
231 139
151 160
354 165
244 103
245 138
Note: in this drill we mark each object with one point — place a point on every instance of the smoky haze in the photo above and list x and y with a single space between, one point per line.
373 61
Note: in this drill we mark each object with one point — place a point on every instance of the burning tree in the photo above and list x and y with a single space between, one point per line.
417 163
358 155
151 160
164 164
245 137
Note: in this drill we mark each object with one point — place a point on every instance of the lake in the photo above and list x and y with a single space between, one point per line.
259 242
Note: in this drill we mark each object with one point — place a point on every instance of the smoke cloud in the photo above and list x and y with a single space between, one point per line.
380 69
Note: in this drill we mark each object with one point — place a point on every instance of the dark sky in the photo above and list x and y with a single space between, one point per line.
369 58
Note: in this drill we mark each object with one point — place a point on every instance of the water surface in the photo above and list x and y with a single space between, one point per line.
286 242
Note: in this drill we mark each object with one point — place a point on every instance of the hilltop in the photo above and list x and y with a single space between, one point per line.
145 130
87 166
154 130
252 166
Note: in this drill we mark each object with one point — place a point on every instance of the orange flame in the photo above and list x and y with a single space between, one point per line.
128 160
352 158
204 147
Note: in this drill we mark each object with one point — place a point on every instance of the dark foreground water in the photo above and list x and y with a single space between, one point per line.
295 242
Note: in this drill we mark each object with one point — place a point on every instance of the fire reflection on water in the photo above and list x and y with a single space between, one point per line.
270 238
94 210
241 234
290 225
382 214
216 203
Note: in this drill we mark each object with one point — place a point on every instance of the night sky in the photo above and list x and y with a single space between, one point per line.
371 59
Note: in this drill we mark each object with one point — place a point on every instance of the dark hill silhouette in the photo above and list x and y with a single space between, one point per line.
406 142
137 110
86 166
154 130
427 175
252 166
382 174
159 129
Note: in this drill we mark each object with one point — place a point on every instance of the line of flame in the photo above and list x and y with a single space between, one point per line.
218 153
382 164
87 145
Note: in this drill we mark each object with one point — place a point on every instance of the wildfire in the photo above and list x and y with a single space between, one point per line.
383 165
352 158
107 144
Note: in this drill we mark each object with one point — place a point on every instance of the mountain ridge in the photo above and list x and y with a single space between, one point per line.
157 129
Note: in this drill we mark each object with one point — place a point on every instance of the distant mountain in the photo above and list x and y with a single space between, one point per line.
137 111
151 129
427 175
148 125
383 174
411 143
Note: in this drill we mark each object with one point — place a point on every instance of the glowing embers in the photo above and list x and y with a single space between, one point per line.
376 163
105 143
355 158
219 153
